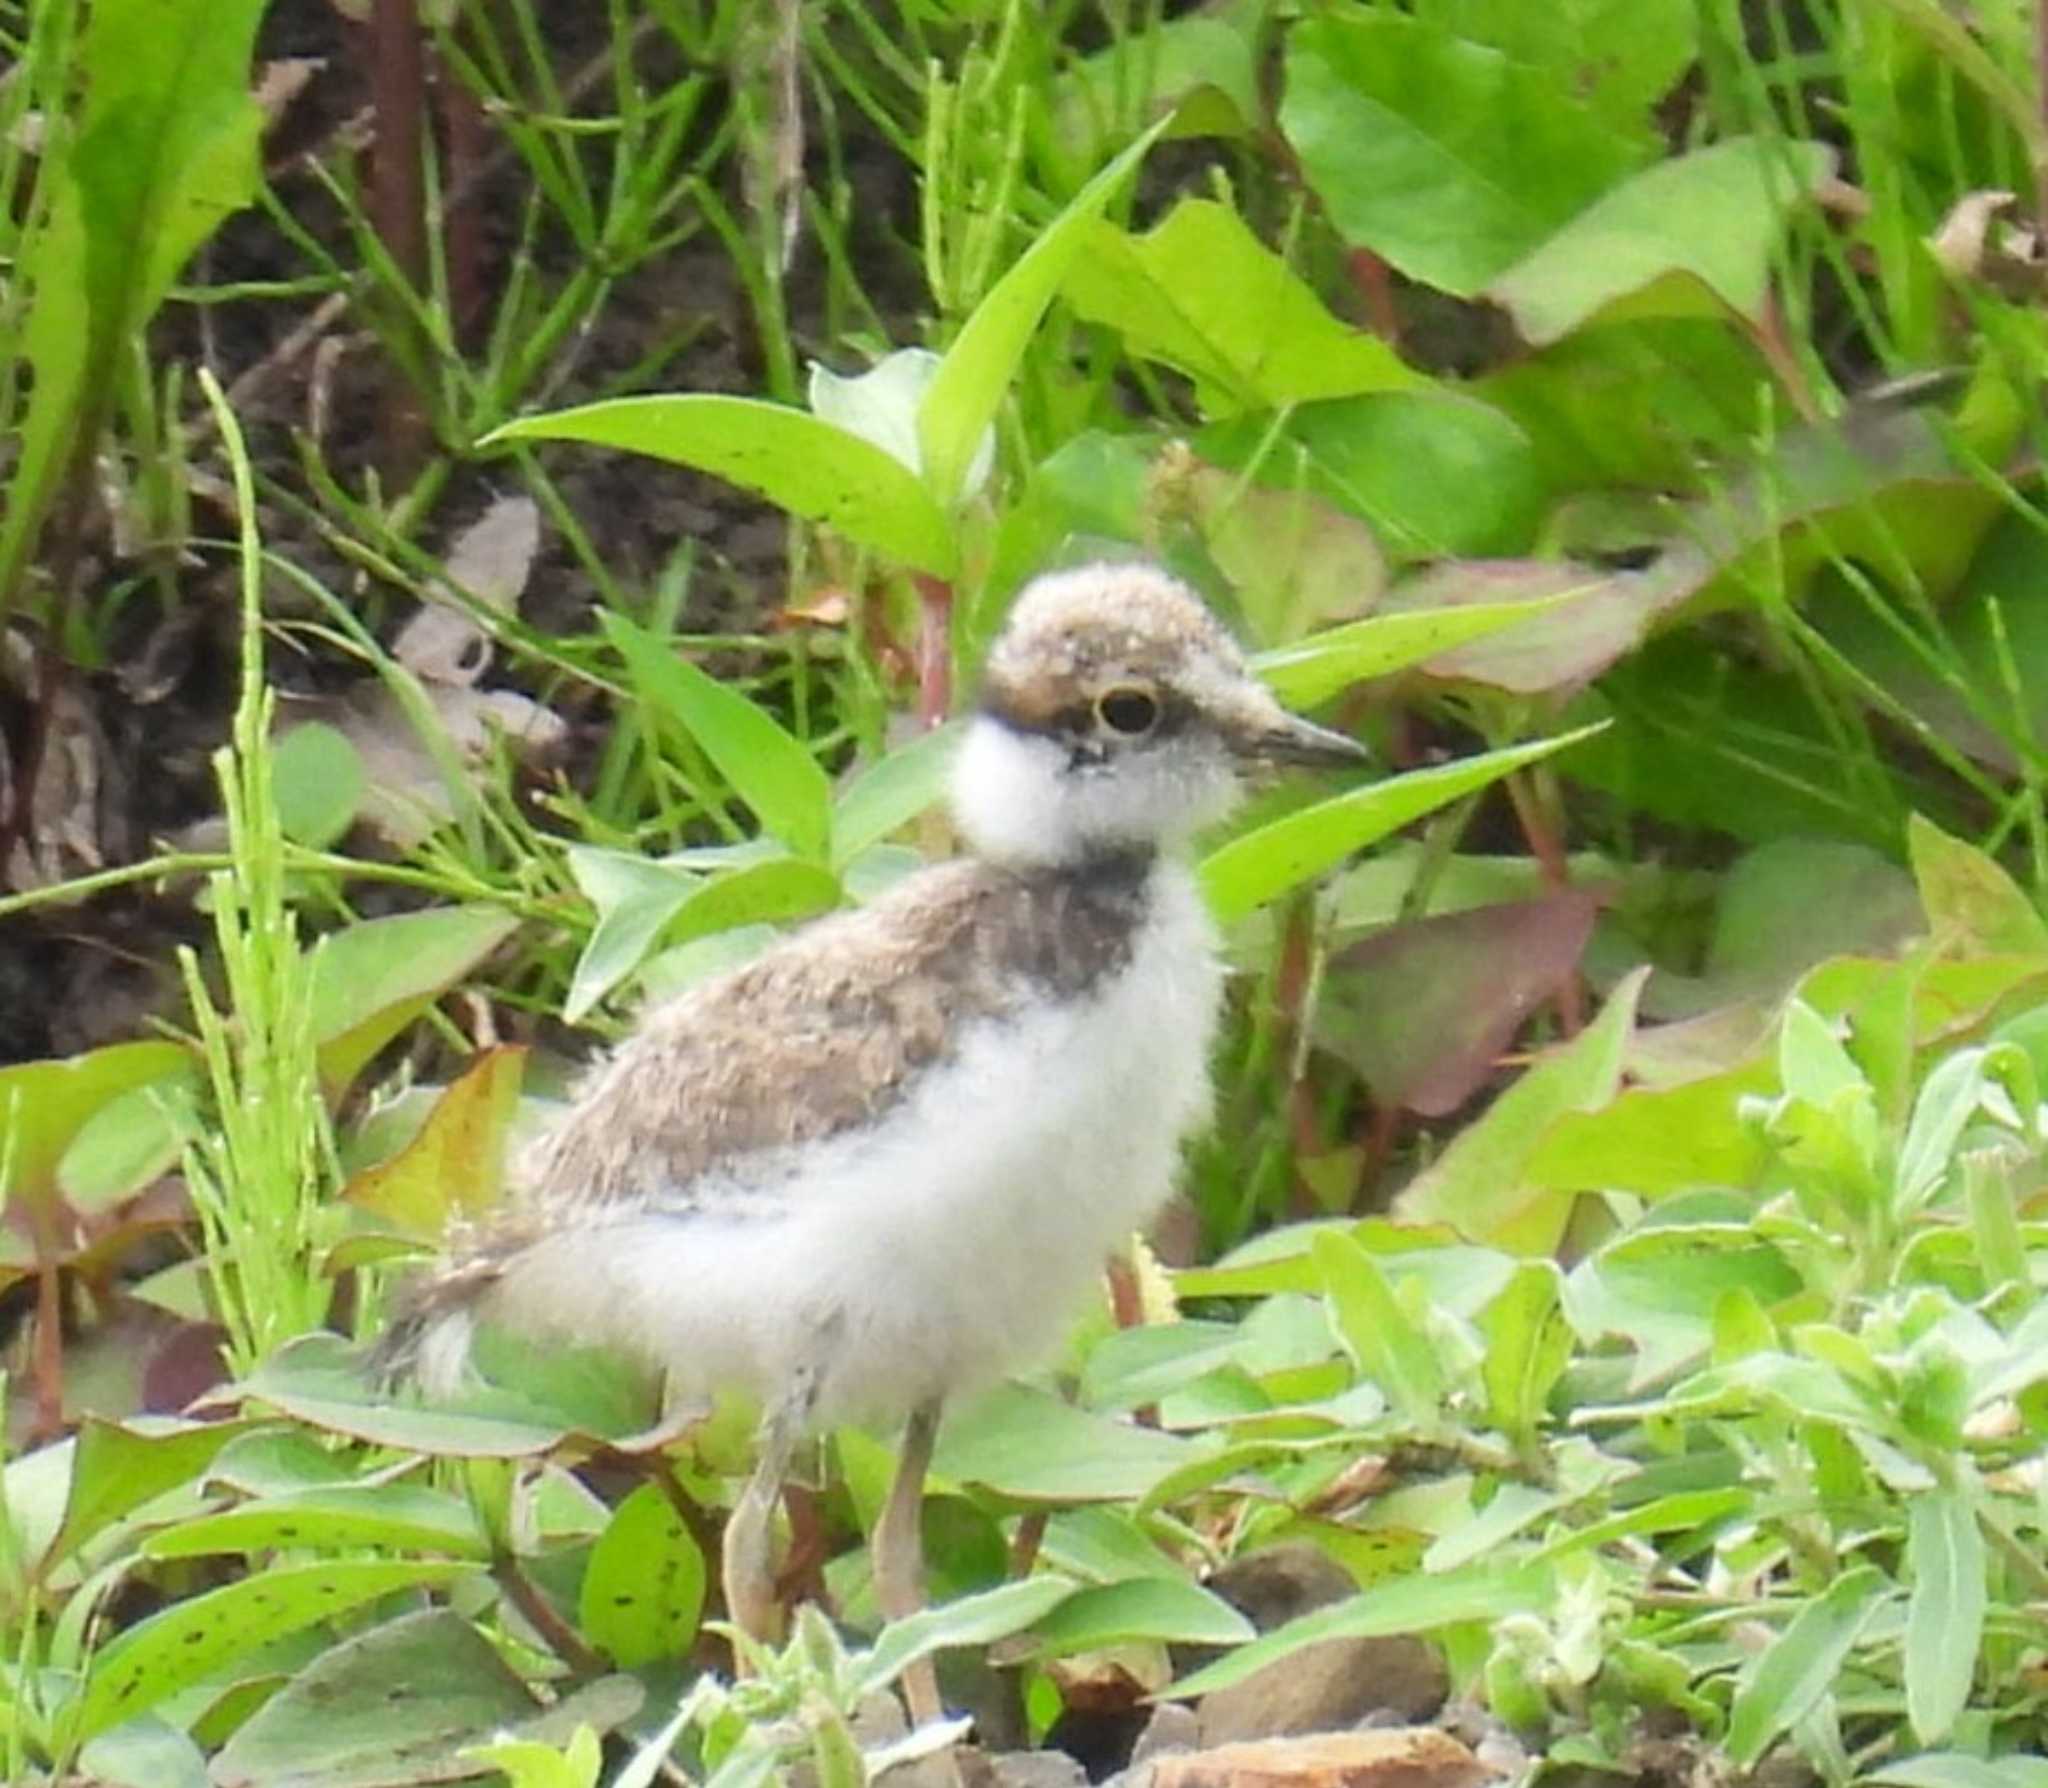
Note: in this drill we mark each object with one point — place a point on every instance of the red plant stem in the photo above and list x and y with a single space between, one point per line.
1373 280
934 650
1548 849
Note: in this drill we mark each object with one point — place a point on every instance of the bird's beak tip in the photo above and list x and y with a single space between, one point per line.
1302 742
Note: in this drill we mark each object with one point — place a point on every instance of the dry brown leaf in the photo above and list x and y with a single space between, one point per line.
490 562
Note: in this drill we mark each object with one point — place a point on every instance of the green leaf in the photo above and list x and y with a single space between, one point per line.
1621 56
527 1763
332 1518
1201 293
774 774
802 464
319 1380
166 148
1945 1612
1443 156
1787 1681
373 979
144 1753
1148 1609
1409 1604
1528 1345
1685 236
1322 665
643 1589
1258 866
1972 904
397 1703
119 1466
44 1106
1028 1444
1962 1769
640 902
1480 1184
976 1620
890 794
317 775
131 1140
1391 1348
191 1639
1435 473
963 399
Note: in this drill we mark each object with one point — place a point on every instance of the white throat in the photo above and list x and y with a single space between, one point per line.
1017 800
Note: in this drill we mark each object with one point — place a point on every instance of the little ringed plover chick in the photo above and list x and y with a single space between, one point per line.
882 1162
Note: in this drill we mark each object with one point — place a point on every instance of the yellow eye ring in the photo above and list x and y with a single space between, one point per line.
1127 710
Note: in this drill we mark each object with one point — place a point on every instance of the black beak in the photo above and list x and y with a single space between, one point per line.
1293 740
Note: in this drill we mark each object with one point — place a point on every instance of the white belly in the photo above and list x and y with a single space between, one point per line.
960 1236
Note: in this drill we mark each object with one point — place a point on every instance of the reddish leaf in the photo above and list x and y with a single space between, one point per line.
1423 1010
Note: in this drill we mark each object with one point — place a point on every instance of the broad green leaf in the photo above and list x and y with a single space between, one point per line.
1692 234
881 405
454 1166
1971 902
1443 156
165 149
319 1380
373 979
889 794
398 1702
1029 1445
643 1588
769 770
189 1640
1391 1348
1316 668
676 906
1963 1769
1293 558
1480 1184
1949 1099
1945 1611
1619 55
1528 1345
119 1466
44 1105
130 1141
797 461
317 776
963 398
1202 69
1812 1064
1788 1679
974 1620
1203 294
1435 473
1408 1604
395 1517
1152 1608
1513 1509
1243 875
147 1752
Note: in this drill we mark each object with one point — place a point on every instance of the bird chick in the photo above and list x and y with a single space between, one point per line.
883 1162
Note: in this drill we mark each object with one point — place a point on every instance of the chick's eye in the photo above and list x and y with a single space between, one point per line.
1132 712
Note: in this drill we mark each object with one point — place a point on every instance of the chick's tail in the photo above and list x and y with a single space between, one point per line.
428 1340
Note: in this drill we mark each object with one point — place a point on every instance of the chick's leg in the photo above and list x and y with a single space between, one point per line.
899 1553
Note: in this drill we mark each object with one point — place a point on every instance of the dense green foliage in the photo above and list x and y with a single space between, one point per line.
1621 1244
